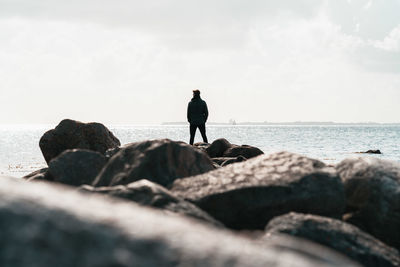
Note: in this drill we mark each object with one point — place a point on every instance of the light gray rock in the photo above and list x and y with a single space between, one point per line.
338 235
147 193
45 224
70 134
247 195
160 161
372 188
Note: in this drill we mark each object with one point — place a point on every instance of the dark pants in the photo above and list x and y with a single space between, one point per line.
202 128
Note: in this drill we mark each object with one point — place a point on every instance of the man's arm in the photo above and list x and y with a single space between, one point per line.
205 111
188 113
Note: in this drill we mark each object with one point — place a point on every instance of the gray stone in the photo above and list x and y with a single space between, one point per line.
160 161
247 195
338 235
150 194
372 188
76 167
70 134
243 150
45 224
218 147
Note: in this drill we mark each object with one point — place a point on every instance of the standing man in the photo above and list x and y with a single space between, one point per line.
197 114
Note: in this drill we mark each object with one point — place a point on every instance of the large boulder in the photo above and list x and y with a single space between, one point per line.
160 161
338 235
49 225
243 150
147 193
248 194
218 147
372 188
76 167
70 134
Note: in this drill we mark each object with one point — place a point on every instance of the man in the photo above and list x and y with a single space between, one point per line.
197 114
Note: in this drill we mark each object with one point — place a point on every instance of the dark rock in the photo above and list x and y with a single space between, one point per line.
218 147
70 134
338 235
150 194
37 175
160 161
233 160
371 152
111 152
49 225
221 160
202 146
244 150
372 188
247 195
76 166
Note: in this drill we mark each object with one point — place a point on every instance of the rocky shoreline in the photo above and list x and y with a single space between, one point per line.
166 203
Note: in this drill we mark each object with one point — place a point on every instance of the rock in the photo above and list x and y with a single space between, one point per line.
70 134
202 146
244 150
37 175
150 194
372 188
160 161
335 234
49 225
218 147
371 152
220 160
247 195
76 167
233 160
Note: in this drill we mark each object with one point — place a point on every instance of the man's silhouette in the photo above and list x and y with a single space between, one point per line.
197 114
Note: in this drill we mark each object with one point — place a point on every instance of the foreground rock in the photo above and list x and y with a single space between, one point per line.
338 235
76 167
70 134
372 189
247 195
150 194
48 225
160 161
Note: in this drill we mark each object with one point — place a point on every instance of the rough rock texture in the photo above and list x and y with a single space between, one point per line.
372 188
244 150
48 225
338 235
70 134
160 161
150 194
247 195
218 147
76 166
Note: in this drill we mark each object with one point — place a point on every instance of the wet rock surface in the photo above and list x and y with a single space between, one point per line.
70 134
338 235
160 161
372 188
150 194
247 195
50 225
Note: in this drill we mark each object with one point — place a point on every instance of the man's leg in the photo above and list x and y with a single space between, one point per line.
192 133
202 129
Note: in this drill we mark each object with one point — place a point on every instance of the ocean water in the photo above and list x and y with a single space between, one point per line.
20 153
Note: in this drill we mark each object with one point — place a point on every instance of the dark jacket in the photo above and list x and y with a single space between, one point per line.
197 112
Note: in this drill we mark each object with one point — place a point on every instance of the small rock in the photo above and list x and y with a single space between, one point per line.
70 134
218 147
244 150
335 234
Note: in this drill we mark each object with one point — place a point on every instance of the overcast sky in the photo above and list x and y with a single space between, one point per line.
131 61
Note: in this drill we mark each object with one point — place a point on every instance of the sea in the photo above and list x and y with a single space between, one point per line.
20 153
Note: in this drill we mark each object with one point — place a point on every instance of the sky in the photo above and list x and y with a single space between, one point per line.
137 62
